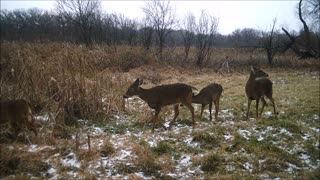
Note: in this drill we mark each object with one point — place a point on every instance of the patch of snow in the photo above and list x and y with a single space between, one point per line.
185 160
44 117
71 160
267 114
315 117
124 154
228 137
292 168
306 136
230 168
248 166
245 133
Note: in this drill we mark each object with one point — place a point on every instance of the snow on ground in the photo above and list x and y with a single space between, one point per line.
180 135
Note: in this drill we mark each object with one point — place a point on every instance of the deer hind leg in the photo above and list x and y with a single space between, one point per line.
257 106
216 104
249 103
263 104
176 113
202 108
210 109
273 104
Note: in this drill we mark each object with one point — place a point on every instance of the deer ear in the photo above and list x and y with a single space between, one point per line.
141 81
252 69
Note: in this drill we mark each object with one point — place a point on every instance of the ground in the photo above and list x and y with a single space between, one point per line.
282 146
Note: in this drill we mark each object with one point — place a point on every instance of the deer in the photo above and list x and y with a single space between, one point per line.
163 95
207 95
18 115
258 86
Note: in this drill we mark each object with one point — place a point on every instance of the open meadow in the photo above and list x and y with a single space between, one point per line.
88 131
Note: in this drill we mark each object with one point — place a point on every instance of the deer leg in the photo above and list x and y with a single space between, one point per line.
155 118
216 104
263 104
273 104
257 106
202 108
210 109
249 103
192 113
176 113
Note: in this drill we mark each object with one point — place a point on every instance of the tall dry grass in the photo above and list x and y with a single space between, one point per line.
72 81
65 81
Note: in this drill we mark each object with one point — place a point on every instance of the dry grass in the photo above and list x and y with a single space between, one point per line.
91 83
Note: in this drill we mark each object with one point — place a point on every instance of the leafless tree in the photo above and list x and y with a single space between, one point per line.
189 33
206 29
309 42
82 13
162 16
146 33
270 42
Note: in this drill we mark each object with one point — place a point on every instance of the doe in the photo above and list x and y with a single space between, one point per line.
258 86
160 96
207 95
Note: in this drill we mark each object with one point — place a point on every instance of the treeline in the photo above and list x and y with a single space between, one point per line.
111 29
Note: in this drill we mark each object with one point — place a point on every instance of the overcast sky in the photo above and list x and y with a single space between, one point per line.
232 14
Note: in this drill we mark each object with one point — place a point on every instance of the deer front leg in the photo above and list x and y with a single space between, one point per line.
176 113
155 118
192 113
249 103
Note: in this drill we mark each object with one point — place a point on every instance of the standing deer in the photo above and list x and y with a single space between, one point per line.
258 86
207 95
160 96
17 113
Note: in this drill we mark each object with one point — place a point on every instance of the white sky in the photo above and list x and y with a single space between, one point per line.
232 14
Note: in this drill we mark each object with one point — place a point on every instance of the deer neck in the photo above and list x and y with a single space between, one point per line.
197 99
144 94
252 77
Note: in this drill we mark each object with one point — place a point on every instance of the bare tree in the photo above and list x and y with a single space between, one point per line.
309 42
162 16
82 13
189 33
270 44
206 29
146 34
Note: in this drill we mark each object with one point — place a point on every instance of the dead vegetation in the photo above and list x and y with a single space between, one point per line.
91 83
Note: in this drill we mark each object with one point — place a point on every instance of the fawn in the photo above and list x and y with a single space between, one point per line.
207 95
258 86
160 96
17 113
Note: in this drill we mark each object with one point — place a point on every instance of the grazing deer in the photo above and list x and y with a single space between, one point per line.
207 95
160 96
258 86
17 113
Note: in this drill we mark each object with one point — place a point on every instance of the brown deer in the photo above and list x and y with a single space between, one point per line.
17 113
160 96
207 95
258 86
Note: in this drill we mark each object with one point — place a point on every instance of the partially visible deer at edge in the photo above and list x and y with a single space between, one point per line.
207 95
258 86
160 96
18 114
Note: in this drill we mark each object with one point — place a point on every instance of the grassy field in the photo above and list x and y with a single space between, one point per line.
116 143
